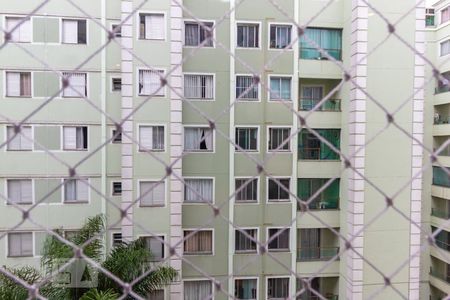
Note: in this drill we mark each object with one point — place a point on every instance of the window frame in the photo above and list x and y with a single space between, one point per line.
33 193
258 138
240 202
113 140
112 237
30 18
137 84
118 34
441 22
61 27
201 74
141 150
289 229
268 139
249 22
87 78
160 235
63 148
183 32
5 83
280 100
278 201
151 12
213 292
213 200
246 278
259 85
258 239
213 136
112 78
212 230
63 192
6 148
439 48
33 245
269 25
113 194
277 277
152 180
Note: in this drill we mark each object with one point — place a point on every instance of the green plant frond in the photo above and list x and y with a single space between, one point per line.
94 294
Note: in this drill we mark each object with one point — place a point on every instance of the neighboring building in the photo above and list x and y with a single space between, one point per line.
215 77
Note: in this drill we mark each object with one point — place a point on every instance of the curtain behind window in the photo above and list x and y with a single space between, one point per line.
196 290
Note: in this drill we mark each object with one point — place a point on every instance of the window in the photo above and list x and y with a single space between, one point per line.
243 243
445 14
244 88
248 35
117 188
20 244
152 193
75 190
70 235
246 139
310 246
198 190
246 190
117 30
246 289
74 31
200 242
196 34
22 141
199 86
21 34
198 289
280 36
310 96
279 139
156 295
116 137
75 138
277 288
445 47
311 147
429 17
18 84
77 85
116 84
281 241
198 139
329 39
280 88
151 27
20 191
279 191
116 239
156 247
151 138
150 82
327 199
440 177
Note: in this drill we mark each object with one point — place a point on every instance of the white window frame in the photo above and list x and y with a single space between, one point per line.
75 150
112 188
153 69
439 47
283 250
258 140
63 192
213 200
201 74
258 239
112 137
275 277
282 200
213 292
138 189
183 32
20 257
77 96
268 91
212 241
112 237
33 148
292 36
5 83
21 17
33 194
246 278
61 28
111 27
258 187
157 234
139 125
151 12
235 86
249 22
111 78
268 139
200 151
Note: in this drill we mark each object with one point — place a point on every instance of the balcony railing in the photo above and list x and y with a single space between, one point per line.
441 276
316 253
441 89
313 53
441 120
322 205
442 244
329 105
439 213
326 296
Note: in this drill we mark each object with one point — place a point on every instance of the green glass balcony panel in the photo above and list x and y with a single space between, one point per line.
440 177
327 199
316 253
330 40
329 105
312 148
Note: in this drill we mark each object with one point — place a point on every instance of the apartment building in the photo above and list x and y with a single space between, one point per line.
224 142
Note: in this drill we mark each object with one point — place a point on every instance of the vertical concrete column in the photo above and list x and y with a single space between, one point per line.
176 130
127 127
417 152
357 131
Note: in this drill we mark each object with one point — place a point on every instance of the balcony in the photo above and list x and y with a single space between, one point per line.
333 105
327 199
314 297
317 253
328 287
440 213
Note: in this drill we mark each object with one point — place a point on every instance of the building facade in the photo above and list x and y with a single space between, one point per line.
201 137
